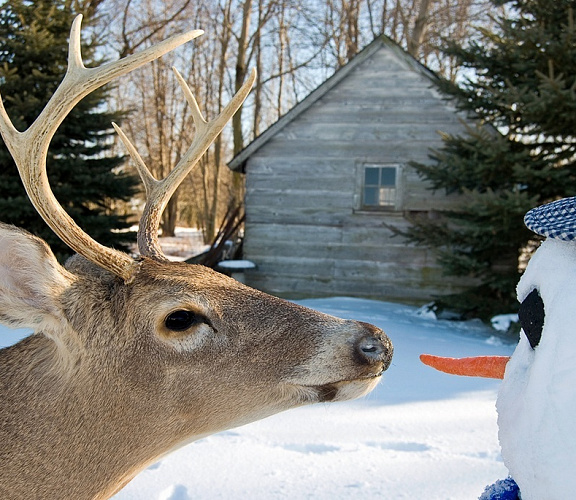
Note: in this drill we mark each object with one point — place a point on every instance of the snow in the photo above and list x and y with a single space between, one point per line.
420 434
186 243
502 322
237 264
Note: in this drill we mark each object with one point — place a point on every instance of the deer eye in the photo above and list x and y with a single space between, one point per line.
531 317
181 320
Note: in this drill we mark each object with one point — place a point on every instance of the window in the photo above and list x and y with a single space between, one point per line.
380 187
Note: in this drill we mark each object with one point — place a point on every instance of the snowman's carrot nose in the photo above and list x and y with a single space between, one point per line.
479 366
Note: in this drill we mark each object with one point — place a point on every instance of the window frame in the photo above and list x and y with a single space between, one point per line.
361 186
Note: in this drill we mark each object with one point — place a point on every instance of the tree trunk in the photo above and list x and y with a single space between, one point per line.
241 71
421 22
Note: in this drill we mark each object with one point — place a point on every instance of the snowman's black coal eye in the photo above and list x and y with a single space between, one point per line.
181 320
531 316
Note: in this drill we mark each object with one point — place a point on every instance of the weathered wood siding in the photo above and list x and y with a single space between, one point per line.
304 228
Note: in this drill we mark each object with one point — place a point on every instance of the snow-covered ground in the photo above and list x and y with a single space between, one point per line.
186 243
419 435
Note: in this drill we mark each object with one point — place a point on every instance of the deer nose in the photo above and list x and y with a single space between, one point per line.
374 347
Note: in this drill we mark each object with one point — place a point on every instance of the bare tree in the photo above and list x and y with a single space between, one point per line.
420 26
163 124
342 28
294 44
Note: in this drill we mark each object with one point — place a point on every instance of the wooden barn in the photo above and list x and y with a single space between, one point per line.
328 179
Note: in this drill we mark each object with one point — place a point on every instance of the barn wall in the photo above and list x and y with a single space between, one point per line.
304 229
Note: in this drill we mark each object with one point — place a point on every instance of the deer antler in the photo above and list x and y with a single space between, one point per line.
29 148
159 192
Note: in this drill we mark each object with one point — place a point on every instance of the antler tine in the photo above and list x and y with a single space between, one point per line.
147 178
29 148
159 192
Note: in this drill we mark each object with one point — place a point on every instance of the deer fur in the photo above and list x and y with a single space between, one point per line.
113 378
102 389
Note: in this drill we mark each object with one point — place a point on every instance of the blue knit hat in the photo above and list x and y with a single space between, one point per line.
556 220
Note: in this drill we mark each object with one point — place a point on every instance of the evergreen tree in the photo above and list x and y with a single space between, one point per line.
81 169
522 154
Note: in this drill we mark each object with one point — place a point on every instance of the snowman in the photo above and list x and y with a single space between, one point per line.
537 399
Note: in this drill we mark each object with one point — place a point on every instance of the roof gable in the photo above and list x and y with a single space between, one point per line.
238 162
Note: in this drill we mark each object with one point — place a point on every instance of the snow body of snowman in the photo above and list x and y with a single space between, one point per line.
537 400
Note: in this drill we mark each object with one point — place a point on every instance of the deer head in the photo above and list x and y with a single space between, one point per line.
132 358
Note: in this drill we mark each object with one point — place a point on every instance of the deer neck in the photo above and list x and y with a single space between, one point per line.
81 435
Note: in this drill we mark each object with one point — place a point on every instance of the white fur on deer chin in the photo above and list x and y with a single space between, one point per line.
301 394
355 388
332 392
347 389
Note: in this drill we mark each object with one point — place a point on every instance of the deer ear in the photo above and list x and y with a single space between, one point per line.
31 281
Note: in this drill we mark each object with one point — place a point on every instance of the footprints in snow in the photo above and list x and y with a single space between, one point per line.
175 492
319 449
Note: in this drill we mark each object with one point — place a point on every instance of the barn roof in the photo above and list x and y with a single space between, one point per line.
238 163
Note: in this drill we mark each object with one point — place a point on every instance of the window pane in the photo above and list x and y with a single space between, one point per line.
388 176
371 176
380 190
387 196
371 196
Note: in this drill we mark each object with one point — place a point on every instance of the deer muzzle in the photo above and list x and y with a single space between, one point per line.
356 367
374 348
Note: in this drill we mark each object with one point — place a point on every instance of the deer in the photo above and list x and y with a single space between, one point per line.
133 357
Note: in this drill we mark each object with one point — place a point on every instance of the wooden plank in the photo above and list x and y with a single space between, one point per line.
320 200
361 240
303 185
393 99
383 256
316 286
361 90
288 232
292 169
296 215
351 270
365 114
401 148
362 132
